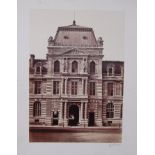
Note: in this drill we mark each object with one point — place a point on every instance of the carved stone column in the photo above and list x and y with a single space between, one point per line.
61 114
66 86
61 86
81 110
65 115
86 87
85 117
82 86
50 67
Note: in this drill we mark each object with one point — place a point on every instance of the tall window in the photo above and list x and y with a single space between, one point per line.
37 87
55 87
118 89
56 66
110 89
74 88
110 71
110 110
92 88
74 67
38 70
63 86
37 108
92 67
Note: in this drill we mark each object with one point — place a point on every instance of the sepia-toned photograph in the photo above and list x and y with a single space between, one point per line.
76 76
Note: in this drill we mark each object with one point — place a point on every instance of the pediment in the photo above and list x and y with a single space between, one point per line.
74 52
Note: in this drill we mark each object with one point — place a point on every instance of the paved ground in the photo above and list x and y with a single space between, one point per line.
90 135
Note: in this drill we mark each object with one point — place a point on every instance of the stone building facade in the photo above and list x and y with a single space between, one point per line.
73 86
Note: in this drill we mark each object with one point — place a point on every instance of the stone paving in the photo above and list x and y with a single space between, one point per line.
85 135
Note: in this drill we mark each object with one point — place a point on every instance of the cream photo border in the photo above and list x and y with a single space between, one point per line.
128 145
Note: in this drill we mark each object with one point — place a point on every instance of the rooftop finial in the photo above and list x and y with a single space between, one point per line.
74 22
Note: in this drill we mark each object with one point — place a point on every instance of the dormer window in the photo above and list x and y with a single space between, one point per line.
66 37
85 38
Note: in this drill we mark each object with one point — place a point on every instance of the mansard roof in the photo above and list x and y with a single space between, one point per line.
75 35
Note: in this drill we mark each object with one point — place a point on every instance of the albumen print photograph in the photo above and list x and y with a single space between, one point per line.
76 76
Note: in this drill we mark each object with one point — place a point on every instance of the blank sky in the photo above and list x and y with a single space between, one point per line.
107 24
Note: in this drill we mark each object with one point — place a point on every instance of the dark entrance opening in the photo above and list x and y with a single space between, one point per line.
73 115
91 119
55 118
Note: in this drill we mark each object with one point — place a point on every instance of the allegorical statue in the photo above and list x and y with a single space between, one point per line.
85 66
65 65
50 40
100 41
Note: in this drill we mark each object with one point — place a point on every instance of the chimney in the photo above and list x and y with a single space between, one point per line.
32 57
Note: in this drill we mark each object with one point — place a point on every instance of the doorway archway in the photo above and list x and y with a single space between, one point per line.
73 115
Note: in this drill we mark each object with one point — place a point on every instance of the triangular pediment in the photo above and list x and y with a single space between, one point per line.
74 52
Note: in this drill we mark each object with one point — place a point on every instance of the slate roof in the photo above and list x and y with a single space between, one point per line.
70 36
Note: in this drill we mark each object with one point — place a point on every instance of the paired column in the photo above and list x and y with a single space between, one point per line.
66 86
85 111
65 110
85 115
86 87
82 110
61 114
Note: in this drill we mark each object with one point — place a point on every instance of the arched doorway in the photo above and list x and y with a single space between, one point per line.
73 115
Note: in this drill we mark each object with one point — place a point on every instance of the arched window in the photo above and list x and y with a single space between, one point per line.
74 67
110 110
92 67
56 66
38 71
37 109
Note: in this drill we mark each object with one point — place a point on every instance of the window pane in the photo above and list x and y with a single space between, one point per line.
37 109
74 88
118 88
55 87
110 110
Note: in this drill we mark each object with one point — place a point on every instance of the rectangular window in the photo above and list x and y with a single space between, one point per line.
64 86
110 89
92 88
118 89
55 87
37 87
74 88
